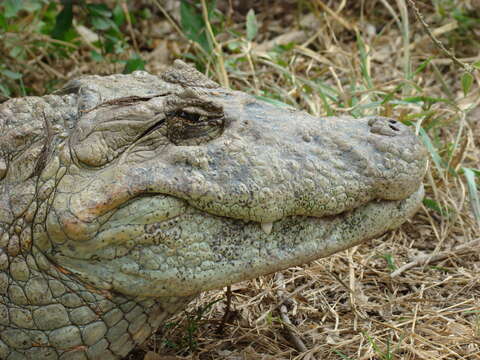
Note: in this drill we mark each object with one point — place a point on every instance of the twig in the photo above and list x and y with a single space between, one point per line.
46 38
226 314
170 19
130 27
46 67
292 294
222 72
296 36
177 27
289 327
427 259
350 291
468 68
337 17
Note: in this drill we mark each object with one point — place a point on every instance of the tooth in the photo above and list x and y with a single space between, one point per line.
267 227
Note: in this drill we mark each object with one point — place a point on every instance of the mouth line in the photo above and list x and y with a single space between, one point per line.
265 227
166 261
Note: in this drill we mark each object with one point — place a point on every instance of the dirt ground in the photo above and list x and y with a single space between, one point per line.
414 293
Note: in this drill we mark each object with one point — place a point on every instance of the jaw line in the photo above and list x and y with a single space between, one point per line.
293 241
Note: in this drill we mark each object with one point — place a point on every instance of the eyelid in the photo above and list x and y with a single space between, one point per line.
193 116
207 111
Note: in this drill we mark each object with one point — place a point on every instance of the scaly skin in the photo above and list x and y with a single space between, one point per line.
123 197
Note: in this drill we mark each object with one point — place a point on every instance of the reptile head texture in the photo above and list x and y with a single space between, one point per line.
174 185
124 196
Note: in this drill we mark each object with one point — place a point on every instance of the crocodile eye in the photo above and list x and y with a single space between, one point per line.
189 116
185 128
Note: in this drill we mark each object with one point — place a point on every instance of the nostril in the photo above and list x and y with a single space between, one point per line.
385 126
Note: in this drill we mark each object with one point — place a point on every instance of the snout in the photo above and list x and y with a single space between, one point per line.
386 126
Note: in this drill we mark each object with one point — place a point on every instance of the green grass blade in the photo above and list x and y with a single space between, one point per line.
431 149
473 191
364 61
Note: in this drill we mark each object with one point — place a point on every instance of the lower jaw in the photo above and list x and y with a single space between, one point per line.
203 252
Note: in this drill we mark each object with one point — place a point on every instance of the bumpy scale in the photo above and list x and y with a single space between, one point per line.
123 197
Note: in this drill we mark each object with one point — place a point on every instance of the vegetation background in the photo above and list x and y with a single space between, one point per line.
413 293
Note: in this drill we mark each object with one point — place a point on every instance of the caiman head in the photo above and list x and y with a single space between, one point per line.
172 185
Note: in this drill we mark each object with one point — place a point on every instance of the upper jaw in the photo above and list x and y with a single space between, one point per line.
269 163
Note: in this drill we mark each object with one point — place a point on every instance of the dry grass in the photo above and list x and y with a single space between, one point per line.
349 306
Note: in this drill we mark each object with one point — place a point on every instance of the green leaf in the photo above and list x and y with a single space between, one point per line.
63 21
423 99
118 15
101 10
17 52
476 64
370 105
3 22
101 23
234 45
252 25
283 48
210 8
145 14
134 63
433 205
112 43
96 56
32 5
69 36
390 261
423 65
12 7
342 355
4 90
193 25
473 192
467 81
11 74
